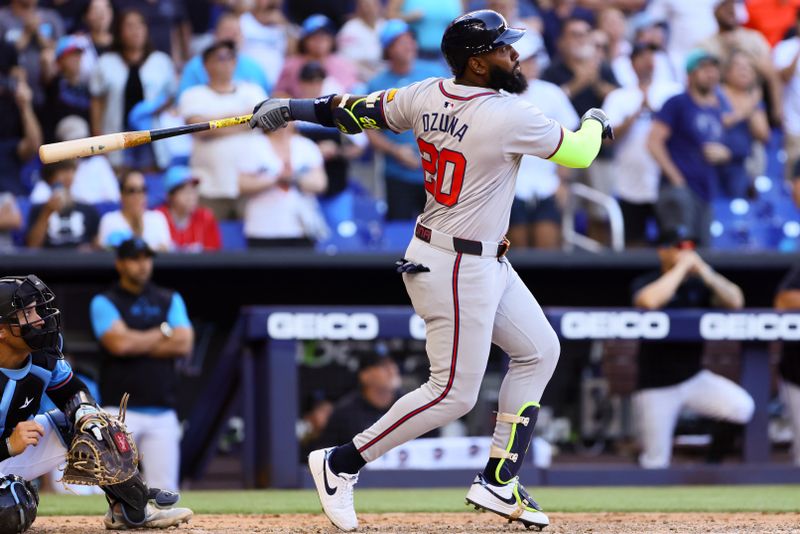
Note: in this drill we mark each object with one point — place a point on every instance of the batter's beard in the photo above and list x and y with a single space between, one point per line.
514 83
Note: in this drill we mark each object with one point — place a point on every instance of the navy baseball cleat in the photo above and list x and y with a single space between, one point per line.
335 491
510 501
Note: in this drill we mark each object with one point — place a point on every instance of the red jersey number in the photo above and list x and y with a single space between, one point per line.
442 166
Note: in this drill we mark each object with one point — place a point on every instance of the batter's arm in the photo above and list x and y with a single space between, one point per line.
579 149
350 114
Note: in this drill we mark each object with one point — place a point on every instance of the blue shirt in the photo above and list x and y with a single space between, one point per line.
104 313
691 125
386 80
247 70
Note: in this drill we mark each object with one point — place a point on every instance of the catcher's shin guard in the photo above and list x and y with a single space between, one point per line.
504 464
132 495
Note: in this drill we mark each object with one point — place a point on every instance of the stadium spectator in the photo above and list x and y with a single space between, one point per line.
687 23
427 20
67 93
378 388
215 151
132 73
536 211
278 181
787 298
337 149
134 219
786 57
20 132
613 24
97 20
10 220
630 110
405 194
95 181
670 375
61 222
359 39
168 24
796 184
686 141
247 69
733 38
583 74
193 228
532 40
773 19
268 37
143 330
556 16
33 32
316 44
656 35
745 124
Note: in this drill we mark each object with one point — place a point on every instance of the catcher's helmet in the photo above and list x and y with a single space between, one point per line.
18 502
23 293
475 33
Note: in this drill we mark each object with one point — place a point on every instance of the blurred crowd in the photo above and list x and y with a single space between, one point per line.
704 96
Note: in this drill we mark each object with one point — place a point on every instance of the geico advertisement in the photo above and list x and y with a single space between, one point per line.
585 324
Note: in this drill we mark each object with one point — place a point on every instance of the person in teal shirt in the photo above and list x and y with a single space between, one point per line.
405 192
428 21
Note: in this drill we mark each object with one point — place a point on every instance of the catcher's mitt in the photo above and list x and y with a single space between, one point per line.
102 452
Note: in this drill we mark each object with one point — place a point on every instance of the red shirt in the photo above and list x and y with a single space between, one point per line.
772 17
202 232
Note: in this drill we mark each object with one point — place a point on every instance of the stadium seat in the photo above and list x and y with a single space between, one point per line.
397 234
730 229
18 236
232 233
156 195
106 207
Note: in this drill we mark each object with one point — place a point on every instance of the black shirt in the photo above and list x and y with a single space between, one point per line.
69 228
559 73
351 415
663 364
790 356
62 100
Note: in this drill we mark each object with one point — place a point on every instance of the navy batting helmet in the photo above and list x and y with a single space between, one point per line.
18 502
475 33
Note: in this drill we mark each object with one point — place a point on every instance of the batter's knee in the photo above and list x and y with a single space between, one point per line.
741 408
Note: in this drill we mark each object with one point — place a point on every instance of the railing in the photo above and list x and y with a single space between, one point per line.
616 224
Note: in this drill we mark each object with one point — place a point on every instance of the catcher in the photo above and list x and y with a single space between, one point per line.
98 449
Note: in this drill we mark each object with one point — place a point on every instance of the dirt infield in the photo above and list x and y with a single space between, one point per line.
469 522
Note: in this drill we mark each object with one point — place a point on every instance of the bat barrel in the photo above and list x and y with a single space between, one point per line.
91 146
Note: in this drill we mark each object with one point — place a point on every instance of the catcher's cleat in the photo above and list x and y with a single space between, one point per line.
155 517
163 498
510 501
335 491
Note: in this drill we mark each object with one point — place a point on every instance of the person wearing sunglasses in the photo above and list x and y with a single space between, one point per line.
133 219
670 375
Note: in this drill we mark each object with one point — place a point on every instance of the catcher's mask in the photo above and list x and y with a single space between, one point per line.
25 301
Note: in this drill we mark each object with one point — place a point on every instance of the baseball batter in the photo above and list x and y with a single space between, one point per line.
472 131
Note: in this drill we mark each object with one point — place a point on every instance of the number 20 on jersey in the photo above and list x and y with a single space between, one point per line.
442 166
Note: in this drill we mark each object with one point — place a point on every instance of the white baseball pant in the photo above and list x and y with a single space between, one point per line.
706 394
467 303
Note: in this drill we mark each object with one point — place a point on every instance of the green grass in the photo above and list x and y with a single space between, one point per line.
626 499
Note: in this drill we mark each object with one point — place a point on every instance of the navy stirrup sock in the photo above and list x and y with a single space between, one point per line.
346 459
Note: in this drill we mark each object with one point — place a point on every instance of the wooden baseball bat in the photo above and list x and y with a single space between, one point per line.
100 144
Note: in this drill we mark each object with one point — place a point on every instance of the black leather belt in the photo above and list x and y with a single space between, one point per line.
464 246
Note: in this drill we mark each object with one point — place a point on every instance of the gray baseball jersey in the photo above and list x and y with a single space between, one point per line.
471 140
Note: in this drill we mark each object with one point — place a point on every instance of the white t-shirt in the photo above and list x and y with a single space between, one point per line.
265 44
690 22
636 175
114 229
357 41
537 177
471 140
782 55
110 75
276 212
212 160
95 181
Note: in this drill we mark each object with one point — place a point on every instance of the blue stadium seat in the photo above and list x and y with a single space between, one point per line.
397 234
106 207
18 236
232 234
730 229
156 195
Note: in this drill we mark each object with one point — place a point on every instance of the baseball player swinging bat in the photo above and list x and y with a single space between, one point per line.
100 144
